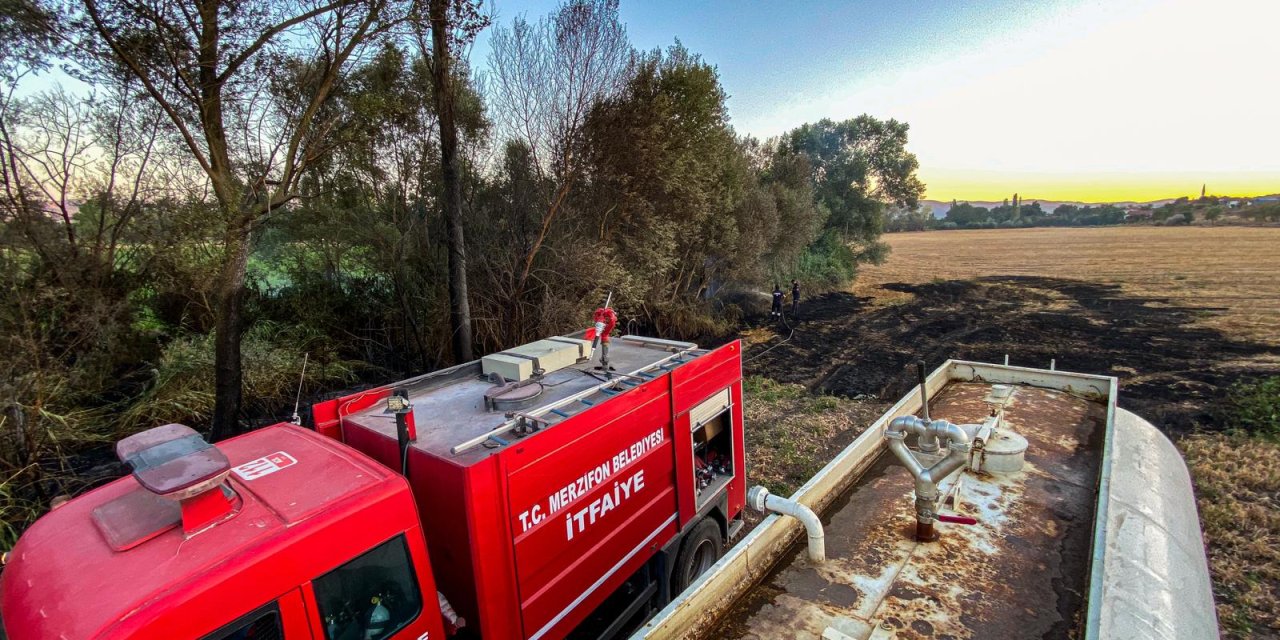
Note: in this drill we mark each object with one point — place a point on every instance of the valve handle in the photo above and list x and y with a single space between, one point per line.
957 519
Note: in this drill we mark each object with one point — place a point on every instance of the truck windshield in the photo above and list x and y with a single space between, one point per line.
372 596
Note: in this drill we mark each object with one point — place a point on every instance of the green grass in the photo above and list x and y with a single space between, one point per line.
16 512
1255 407
792 433
767 391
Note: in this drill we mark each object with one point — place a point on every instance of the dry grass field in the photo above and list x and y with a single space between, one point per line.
1229 280
1233 273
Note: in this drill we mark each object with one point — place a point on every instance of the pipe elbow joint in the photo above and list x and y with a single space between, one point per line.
902 424
761 500
956 436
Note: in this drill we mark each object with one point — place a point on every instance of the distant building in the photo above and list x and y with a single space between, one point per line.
1138 214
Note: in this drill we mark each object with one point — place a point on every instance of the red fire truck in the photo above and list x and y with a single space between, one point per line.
537 493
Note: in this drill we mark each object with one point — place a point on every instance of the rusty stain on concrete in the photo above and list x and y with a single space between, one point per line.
1021 572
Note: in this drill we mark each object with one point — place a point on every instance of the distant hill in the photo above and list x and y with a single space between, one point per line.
940 208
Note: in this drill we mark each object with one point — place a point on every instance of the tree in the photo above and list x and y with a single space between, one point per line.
26 43
787 177
27 32
966 214
858 165
664 152
79 234
546 77
245 85
366 246
905 219
1018 213
446 17
1269 212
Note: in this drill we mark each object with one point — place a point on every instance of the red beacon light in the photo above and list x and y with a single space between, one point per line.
183 480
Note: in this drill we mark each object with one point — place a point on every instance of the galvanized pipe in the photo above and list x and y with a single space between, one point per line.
926 441
927 479
761 500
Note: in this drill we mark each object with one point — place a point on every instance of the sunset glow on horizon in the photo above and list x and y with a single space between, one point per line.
974 186
1089 100
1143 101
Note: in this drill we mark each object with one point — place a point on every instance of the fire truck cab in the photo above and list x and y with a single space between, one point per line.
529 495
303 531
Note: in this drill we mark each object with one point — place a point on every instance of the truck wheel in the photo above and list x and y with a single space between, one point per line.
700 550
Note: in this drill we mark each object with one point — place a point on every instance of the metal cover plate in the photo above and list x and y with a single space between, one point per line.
135 517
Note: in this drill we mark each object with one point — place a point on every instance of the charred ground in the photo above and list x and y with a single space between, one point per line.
1173 370
1177 359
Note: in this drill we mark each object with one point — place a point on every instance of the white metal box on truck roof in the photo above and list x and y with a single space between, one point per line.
536 358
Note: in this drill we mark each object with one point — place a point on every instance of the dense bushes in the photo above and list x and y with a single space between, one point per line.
1018 215
180 388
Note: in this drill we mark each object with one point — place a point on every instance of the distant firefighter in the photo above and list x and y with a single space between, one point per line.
795 297
777 301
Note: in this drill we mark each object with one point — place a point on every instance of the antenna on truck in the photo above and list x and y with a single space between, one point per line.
297 400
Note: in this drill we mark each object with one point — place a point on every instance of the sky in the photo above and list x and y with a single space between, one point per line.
1088 100
1056 100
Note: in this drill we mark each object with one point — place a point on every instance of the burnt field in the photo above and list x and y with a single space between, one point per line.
1173 370
1178 314
1181 316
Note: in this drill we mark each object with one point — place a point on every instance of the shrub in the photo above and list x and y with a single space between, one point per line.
828 263
1255 407
181 388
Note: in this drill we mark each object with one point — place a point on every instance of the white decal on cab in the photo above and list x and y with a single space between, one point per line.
266 465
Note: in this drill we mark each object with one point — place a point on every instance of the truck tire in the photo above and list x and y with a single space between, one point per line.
701 548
